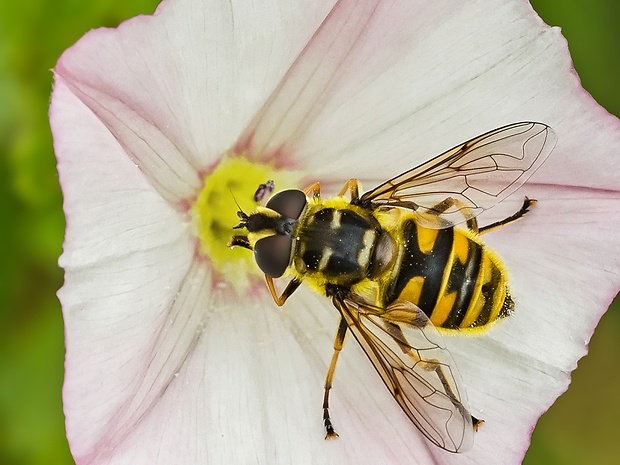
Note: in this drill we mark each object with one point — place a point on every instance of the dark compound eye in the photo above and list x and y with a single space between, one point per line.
273 254
289 203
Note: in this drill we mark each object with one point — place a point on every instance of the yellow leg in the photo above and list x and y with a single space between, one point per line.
353 186
527 203
430 365
314 189
449 202
290 288
338 342
472 223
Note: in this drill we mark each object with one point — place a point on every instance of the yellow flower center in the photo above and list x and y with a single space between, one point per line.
214 213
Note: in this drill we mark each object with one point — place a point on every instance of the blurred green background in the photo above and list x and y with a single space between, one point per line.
580 428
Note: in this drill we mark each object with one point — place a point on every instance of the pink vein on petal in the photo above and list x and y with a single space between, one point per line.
141 139
309 81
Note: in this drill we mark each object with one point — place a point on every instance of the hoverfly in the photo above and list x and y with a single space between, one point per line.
402 261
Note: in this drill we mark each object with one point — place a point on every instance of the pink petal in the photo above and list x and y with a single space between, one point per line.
462 81
163 369
391 84
111 209
176 89
564 271
125 250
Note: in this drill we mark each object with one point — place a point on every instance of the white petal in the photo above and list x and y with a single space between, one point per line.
126 253
159 377
176 89
391 84
564 270
111 209
516 370
215 382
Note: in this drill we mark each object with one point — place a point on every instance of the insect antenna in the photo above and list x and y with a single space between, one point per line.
243 217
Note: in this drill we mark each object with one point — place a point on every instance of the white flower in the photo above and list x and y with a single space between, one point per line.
175 352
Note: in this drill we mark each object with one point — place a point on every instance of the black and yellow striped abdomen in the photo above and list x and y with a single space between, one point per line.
457 281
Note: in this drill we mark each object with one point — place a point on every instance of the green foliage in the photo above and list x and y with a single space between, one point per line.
33 33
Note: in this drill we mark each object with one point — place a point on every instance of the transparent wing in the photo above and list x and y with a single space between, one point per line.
406 351
477 174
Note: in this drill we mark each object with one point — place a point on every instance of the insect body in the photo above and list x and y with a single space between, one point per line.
399 268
